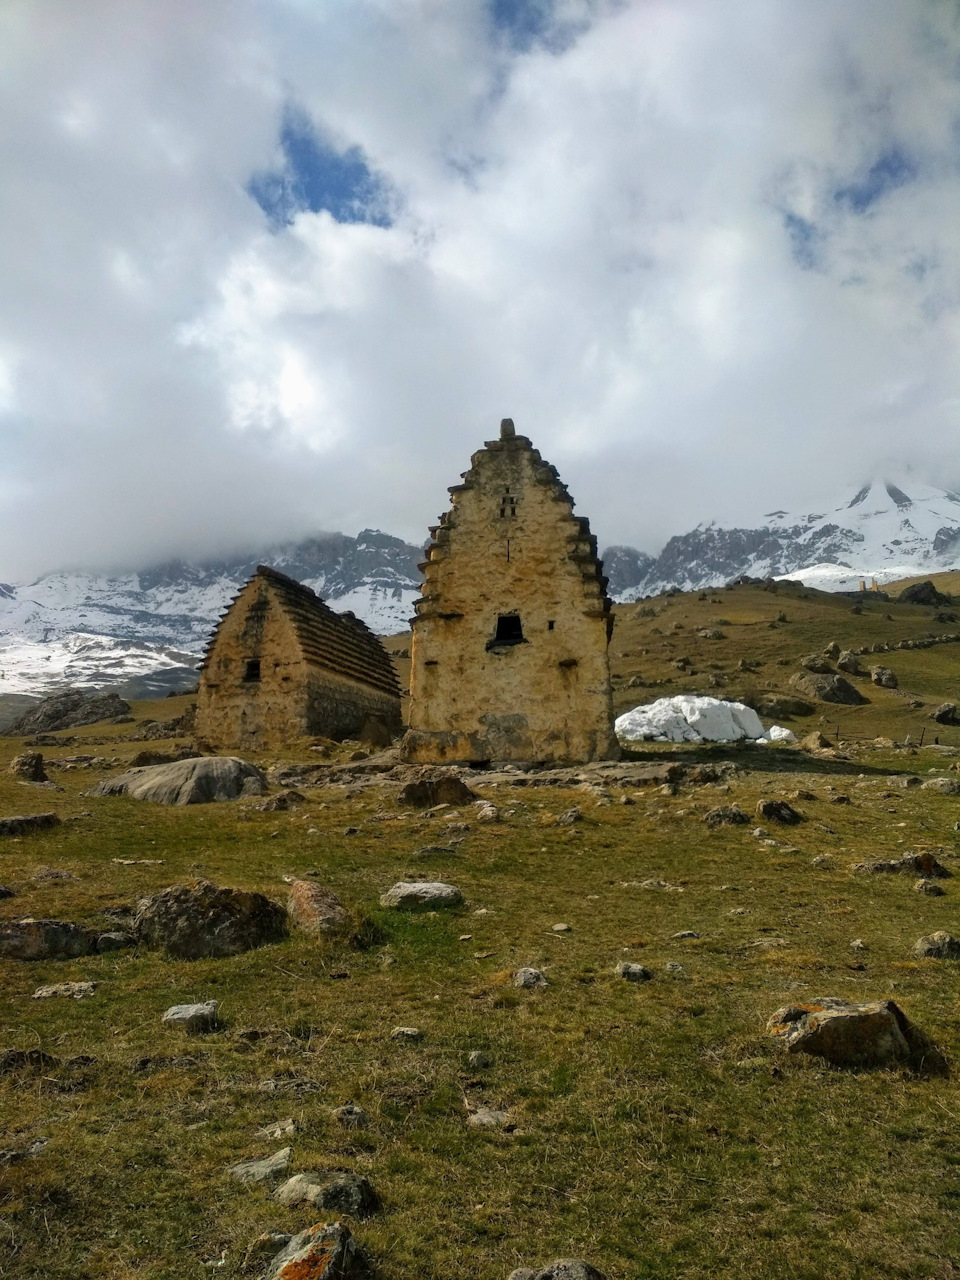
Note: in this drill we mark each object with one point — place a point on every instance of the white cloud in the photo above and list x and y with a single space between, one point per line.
629 241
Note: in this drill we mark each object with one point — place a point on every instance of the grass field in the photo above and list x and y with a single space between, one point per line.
659 1132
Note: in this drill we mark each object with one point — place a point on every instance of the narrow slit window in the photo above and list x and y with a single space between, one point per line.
251 671
550 625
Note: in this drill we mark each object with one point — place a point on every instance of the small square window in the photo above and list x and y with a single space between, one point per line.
550 625
251 673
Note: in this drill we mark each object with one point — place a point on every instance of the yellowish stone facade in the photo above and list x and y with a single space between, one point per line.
281 665
509 659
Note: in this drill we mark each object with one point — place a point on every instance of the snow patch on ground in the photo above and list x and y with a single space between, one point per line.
690 718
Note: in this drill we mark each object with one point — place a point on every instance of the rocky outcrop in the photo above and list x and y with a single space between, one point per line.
69 710
199 780
923 593
194 921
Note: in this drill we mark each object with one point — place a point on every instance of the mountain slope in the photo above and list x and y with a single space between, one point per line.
884 531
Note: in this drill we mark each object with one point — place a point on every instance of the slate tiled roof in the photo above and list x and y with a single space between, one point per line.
337 642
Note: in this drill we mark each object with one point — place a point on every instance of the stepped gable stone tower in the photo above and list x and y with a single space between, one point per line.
509 657
281 665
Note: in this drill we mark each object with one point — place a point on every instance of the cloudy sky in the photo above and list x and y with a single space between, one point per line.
270 267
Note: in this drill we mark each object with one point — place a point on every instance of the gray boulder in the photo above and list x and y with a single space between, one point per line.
937 946
814 662
850 663
633 972
946 786
347 1193
910 864
778 811
855 1035
422 893
775 706
71 990
199 780
202 920
946 713
315 909
269 1169
923 593
725 814
529 979
68 710
884 677
826 688
23 823
436 786
45 940
326 1251
560 1269
194 1019
29 767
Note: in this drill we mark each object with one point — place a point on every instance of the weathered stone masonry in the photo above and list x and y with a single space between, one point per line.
281 665
509 657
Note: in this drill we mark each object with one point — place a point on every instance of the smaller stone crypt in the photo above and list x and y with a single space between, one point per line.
281 665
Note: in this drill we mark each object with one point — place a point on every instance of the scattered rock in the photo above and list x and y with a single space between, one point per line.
68 710
778 706
561 1269
422 893
814 662
406 1033
928 887
850 663
115 940
7 892
326 1251
281 802
946 713
45 940
725 814
937 946
29 767
74 990
910 864
827 688
633 972
770 944
855 1035
478 1059
686 933
24 823
778 811
315 909
822 861
488 1118
569 817
278 1130
351 1116
561 928
528 978
883 677
194 1019
348 1193
203 920
858 944
946 786
436 786
199 780
487 812
815 742
269 1169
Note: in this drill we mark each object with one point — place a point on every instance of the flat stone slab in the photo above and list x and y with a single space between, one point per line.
422 893
73 990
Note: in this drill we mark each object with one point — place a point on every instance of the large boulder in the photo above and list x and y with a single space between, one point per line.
923 593
194 921
827 688
29 767
200 780
45 940
937 946
878 1034
946 713
69 710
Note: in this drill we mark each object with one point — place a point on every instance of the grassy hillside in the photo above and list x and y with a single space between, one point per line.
658 1131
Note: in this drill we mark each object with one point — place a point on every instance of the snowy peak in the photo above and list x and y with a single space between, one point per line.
888 529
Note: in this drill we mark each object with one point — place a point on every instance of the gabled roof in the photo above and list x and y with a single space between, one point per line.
337 642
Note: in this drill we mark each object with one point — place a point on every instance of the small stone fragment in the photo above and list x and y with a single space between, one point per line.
569 817
561 928
630 972
406 1033
487 812
269 1169
194 1019
725 814
115 940
822 861
351 1116
686 933
422 893
560 1269
858 944
477 1059
278 1130
778 811
929 887
528 978
673 967
488 1118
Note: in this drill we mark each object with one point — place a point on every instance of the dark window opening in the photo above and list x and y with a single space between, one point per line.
508 504
251 673
509 631
550 625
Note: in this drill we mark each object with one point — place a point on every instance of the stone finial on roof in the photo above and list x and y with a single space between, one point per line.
507 430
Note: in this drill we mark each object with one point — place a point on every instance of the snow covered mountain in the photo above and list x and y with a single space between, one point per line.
93 630
884 531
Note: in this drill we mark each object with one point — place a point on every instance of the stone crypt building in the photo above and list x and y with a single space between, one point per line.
509 657
281 665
